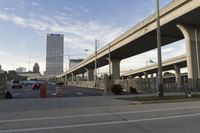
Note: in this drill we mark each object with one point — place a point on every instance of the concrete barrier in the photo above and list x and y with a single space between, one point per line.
142 85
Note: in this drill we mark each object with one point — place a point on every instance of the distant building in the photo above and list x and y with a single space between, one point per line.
20 69
36 68
30 75
74 62
13 75
54 54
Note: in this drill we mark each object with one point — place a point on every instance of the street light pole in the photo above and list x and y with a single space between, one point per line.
160 78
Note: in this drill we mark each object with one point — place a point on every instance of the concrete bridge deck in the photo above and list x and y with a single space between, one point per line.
180 61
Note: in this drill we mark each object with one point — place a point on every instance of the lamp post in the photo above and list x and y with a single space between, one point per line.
159 52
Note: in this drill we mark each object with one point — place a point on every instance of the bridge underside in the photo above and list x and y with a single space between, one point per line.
147 40
170 33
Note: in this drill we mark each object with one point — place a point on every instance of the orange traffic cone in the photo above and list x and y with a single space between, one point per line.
58 91
43 93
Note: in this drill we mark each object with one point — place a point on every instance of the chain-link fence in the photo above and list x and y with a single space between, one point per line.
150 85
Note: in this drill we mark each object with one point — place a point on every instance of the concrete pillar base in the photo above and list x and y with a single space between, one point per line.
178 76
90 74
115 65
192 40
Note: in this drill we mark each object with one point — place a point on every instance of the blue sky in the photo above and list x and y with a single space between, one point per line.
24 24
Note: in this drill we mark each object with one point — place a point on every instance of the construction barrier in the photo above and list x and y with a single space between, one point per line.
58 91
43 93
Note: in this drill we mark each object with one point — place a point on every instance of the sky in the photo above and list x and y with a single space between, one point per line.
25 23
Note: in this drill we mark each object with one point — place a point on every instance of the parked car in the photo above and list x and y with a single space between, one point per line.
16 84
25 83
53 83
36 86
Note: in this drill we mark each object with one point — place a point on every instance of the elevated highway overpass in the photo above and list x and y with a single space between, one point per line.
170 64
179 20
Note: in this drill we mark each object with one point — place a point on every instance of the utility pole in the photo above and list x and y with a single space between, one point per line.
109 58
29 62
160 77
95 78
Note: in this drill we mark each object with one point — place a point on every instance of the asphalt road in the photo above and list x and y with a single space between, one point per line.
66 91
97 114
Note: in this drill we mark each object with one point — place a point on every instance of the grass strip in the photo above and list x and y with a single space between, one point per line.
156 99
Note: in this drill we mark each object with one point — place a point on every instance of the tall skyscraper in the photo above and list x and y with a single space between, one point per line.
36 68
54 54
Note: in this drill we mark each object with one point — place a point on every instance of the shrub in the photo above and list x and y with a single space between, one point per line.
133 90
117 89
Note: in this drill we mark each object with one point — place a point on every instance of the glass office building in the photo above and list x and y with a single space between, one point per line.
54 54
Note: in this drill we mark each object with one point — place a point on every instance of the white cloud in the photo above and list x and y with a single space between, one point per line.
35 4
166 50
79 35
2 53
11 62
85 10
68 9
4 17
23 44
9 9
85 31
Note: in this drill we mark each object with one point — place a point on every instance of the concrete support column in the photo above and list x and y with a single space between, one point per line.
62 79
83 75
146 76
192 40
90 74
178 76
146 89
153 84
152 76
69 78
65 80
73 77
115 65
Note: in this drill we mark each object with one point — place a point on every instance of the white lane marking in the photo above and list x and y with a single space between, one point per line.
101 114
16 94
98 124
79 93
